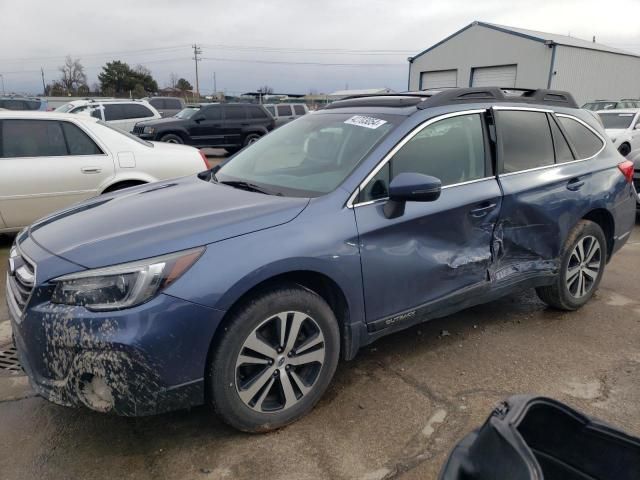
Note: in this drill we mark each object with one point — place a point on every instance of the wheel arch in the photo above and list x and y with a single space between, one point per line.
319 283
174 131
604 219
137 179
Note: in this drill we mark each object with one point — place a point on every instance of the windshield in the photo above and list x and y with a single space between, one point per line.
126 134
310 156
65 108
187 112
616 120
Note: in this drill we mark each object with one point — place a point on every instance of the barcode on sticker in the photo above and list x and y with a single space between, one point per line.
364 121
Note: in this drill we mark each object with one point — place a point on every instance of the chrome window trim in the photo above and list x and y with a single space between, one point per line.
545 167
526 109
401 144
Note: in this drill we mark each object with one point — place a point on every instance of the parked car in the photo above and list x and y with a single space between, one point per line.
285 112
23 103
242 286
623 127
50 161
612 104
231 126
166 106
122 114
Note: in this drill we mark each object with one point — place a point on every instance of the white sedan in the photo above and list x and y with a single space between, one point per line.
623 127
49 161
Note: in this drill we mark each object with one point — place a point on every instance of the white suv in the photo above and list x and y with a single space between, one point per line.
623 127
49 161
122 114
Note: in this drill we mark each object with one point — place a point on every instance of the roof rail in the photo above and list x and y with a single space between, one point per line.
503 95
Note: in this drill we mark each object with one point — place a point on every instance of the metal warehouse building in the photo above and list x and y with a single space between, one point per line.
484 54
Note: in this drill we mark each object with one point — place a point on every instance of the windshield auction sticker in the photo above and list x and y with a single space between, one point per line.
364 121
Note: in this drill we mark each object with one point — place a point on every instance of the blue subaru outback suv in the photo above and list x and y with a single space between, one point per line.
243 286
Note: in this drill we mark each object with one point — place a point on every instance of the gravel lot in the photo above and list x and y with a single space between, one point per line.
396 410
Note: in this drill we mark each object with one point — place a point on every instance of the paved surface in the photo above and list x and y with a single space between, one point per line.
395 411
215 155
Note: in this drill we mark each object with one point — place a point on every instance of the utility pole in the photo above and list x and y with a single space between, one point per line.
2 78
197 51
215 87
44 88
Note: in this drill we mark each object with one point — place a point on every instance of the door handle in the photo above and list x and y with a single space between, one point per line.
90 170
482 210
575 184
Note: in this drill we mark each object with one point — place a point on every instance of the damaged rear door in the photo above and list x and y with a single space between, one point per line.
545 191
437 248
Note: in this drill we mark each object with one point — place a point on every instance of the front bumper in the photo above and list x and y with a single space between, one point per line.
139 361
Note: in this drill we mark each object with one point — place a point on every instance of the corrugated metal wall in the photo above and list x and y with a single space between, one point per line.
591 75
479 46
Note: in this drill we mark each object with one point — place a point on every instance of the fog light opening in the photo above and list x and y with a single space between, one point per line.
96 394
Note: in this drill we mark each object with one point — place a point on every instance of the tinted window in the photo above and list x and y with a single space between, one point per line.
585 142
284 111
172 104
526 140
235 112
157 103
97 113
32 138
132 110
12 104
257 112
299 110
451 150
213 113
79 142
114 111
563 152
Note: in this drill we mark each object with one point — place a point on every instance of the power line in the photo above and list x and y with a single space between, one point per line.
97 54
219 59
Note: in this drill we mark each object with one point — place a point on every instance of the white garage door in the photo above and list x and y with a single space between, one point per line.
438 79
502 76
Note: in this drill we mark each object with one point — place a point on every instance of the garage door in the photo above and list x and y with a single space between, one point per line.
438 79
502 76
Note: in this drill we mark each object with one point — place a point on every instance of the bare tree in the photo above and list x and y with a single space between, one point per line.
142 70
265 90
173 79
72 74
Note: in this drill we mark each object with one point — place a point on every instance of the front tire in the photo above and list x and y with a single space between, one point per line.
581 268
172 138
276 358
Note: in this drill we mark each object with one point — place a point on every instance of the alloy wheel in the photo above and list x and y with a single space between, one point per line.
280 362
583 267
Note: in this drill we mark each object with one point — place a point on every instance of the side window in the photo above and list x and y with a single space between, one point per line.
133 110
172 104
157 103
563 152
284 110
235 112
271 109
32 138
114 111
97 113
585 142
213 112
257 112
299 110
452 150
79 142
525 140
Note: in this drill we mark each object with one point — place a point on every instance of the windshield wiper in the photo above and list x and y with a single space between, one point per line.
245 186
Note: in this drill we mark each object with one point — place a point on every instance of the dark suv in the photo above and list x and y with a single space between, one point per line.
243 286
231 126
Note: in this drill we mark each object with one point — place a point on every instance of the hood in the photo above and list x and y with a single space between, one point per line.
159 218
159 122
615 132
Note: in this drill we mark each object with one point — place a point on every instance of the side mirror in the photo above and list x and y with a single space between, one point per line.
410 187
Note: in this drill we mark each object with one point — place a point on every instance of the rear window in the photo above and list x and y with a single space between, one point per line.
616 120
585 142
79 142
525 140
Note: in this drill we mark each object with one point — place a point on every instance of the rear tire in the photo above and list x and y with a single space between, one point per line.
251 138
172 138
275 359
582 265
625 149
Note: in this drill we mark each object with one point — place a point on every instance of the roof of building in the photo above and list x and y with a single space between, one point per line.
537 36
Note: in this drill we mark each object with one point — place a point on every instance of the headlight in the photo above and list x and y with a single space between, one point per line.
148 130
125 285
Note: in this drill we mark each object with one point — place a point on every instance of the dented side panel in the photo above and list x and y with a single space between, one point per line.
434 249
